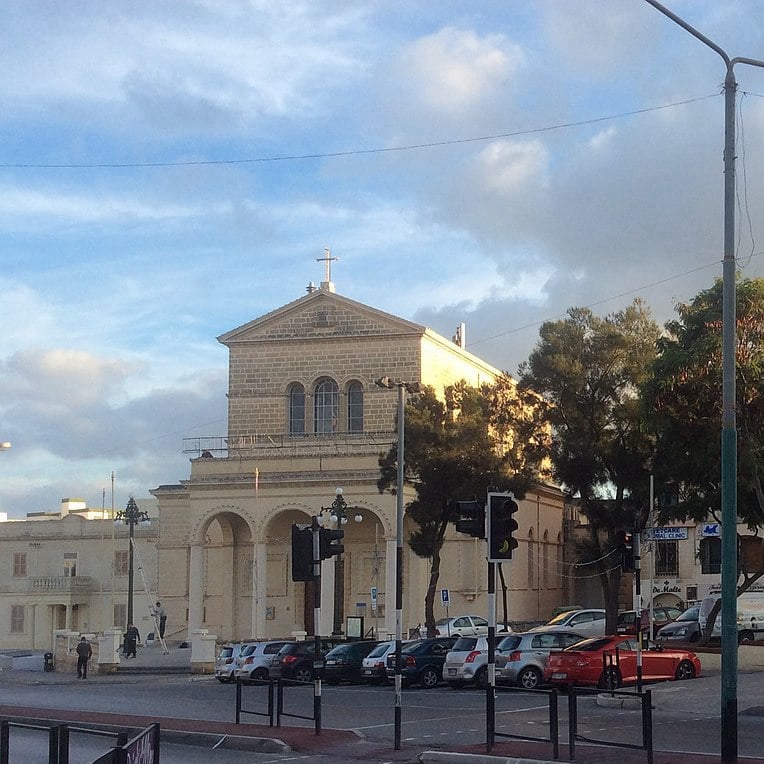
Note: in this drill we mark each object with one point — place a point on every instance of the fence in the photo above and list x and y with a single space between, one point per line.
280 686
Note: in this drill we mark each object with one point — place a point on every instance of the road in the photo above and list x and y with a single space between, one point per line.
685 714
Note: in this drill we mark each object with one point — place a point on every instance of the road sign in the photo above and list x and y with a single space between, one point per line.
373 597
444 596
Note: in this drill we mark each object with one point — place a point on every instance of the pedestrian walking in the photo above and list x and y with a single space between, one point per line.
160 617
84 653
132 636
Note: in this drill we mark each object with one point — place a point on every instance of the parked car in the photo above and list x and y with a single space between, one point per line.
422 661
467 661
374 665
295 659
686 628
224 663
461 626
343 663
588 622
609 662
520 658
662 615
255 660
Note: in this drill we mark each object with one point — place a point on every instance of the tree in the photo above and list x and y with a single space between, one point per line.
458 447
589 369
683 396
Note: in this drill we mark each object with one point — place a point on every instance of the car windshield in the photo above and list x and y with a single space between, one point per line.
340 650
589 645
248 650
509 643
691 614
562 617
380 650
629 617
465 643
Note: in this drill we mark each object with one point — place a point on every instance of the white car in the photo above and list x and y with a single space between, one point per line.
467 661
254 660
461 626
226 661
586 622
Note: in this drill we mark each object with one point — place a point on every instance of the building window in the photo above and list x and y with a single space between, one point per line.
120 616
121 563
711 555
666 559
326 407
20 564
17 619
70 564
355 407
296 410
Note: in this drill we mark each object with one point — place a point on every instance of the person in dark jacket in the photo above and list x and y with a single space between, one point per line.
132 636
84 653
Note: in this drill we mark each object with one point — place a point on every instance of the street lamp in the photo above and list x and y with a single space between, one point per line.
337 514
403 387
729 431
132 516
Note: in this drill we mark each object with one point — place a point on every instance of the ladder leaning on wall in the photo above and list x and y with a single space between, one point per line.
149 599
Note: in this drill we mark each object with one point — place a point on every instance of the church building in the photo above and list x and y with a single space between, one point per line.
306 424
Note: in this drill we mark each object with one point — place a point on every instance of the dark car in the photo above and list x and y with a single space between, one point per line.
686 628
422 662
662 615
343 663
295 659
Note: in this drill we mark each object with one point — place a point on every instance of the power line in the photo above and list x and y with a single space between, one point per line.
350 152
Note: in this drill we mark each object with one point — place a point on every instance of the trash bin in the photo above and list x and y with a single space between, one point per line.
48 664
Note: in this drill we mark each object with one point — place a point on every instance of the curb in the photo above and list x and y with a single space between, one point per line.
443 757
605 700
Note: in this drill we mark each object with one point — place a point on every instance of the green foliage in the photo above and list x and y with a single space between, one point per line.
684 399
590 369
459 447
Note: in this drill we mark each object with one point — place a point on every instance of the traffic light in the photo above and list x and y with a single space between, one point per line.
328 546
626 548
302 553
501 526
470 518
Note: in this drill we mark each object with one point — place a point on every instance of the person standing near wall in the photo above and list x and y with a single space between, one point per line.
132 635
160 617
84 653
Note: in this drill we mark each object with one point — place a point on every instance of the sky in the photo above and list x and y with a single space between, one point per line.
170 171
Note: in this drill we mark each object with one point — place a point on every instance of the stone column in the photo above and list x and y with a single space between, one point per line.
195 588
259 590
203 647
108 651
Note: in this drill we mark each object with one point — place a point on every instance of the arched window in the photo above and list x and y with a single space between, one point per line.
355 407
326 407
545 562
711 555
296 409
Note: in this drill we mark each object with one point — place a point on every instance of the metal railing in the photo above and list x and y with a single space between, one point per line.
279 685
220 446
554 724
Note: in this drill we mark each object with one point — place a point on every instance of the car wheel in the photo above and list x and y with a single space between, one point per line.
610 679
429 678
744 636
303 674
481 679
221 679
260 673
529 678
685 670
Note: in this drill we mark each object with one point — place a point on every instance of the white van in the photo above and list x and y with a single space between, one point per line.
750 615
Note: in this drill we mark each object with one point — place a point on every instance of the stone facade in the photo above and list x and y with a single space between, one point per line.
228 526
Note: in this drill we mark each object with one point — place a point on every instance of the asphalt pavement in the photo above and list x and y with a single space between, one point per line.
338 744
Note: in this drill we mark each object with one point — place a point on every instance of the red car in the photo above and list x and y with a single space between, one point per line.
609 662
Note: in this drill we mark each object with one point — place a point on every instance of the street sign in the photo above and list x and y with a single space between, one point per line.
373 597
444 596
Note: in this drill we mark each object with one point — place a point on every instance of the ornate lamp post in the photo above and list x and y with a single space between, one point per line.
337 514
131 516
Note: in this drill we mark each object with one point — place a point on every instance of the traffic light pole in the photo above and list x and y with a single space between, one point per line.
637 600
490 692
316 530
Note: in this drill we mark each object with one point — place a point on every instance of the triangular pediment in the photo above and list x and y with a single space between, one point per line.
321 314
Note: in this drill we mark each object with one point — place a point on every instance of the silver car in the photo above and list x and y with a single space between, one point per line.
255 659
520 658
588 622
467 662
225 661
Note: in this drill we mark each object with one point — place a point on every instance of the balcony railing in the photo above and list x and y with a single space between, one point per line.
220 446
66 584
